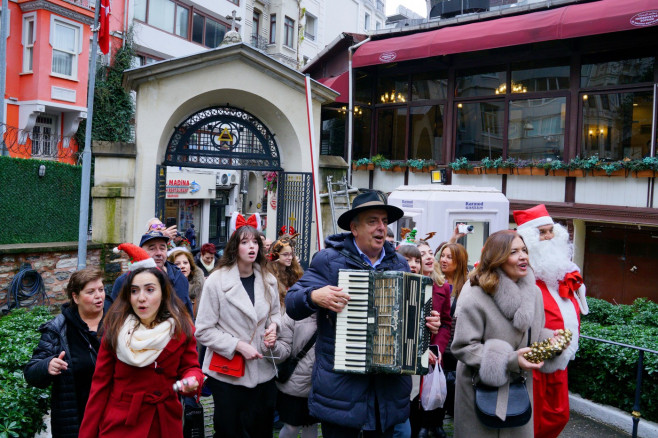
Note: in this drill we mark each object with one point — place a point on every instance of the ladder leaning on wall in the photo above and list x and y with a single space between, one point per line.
339 198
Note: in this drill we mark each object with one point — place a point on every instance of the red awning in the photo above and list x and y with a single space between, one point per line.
340 84
577 20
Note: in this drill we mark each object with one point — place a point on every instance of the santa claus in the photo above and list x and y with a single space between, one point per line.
563 291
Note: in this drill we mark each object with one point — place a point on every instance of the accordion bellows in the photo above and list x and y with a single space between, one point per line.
382 328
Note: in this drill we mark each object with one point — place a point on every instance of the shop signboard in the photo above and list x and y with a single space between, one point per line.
190 185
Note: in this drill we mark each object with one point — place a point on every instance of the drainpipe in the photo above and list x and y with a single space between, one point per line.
350 119
3 70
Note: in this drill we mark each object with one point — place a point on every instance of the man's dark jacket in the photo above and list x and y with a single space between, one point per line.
177 279
346 399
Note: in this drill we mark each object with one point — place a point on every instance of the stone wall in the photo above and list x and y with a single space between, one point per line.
55 262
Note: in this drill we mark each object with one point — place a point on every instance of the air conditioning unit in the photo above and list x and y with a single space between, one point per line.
226 178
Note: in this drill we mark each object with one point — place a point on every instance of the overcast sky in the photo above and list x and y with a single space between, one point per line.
417 6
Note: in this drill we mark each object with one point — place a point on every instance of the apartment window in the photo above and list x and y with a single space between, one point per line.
43 135
140 10
272 28
65 39
29 33
207 31
255 27
182 21
378 25
310 29
366 22
289 31
235 2
161 14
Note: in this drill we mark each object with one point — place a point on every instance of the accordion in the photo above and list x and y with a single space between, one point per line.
382 327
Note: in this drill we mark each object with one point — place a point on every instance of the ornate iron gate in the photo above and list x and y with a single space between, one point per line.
295 209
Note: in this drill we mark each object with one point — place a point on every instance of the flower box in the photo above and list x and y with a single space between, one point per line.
473 171
426 169
578 173
369 166
559 172
643 173
504 171
534 171
394 169
601 172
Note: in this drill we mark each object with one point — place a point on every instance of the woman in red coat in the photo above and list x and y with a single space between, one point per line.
148 345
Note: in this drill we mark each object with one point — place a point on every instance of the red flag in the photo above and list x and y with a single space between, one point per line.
104 31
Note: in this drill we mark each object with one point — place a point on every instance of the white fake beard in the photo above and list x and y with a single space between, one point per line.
550 259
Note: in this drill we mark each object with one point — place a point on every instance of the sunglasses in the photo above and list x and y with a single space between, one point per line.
158 227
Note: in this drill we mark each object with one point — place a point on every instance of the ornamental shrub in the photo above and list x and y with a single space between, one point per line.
606 373
22 407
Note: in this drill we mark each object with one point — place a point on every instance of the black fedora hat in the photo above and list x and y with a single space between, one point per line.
368 201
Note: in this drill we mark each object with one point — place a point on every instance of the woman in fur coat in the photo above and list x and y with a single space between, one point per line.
148 346
238 318
495 310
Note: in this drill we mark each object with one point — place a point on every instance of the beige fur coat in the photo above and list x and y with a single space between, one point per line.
489 331
226 316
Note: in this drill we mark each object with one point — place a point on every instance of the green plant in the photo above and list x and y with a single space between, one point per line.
381 161
113 104
586 164
21 406
362 162
419 163
461 164
614 383
487 163
611 167
646 163
509 163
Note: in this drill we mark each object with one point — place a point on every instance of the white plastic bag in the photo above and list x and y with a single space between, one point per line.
434 389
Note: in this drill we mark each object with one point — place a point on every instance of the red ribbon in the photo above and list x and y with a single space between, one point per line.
570 284
240 221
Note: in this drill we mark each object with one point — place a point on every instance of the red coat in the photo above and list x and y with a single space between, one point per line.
127 401
441 303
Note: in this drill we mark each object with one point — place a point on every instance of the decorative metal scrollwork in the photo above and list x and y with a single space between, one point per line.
224 137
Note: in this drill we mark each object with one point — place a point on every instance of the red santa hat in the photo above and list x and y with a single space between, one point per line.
536 216
139 258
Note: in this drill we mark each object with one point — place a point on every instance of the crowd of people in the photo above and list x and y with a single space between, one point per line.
257 332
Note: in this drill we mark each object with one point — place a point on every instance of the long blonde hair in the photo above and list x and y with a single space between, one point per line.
460 258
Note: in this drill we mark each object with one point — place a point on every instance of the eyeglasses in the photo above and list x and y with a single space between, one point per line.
158 227
285 254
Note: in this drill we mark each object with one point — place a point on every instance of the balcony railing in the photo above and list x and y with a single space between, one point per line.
258 42
87 4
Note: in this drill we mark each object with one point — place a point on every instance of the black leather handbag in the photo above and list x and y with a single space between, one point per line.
519 409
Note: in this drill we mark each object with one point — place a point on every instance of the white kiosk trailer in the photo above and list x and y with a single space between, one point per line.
439 208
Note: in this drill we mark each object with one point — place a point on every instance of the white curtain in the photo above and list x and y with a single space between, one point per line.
64 49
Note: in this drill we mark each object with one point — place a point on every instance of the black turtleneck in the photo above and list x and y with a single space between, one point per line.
83 346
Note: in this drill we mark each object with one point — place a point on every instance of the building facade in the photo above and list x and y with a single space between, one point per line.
48 48
541 84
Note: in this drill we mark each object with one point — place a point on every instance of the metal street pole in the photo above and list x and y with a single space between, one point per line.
86 153
3 70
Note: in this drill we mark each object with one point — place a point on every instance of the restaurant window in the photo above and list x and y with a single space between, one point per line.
426 136
362 132
531 78
536 128
272 28
617 125
289 32
616 72
480 128
333 131
481 82
362 87
429 86
392 89
391 132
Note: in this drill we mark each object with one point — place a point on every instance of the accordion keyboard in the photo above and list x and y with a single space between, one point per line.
351 348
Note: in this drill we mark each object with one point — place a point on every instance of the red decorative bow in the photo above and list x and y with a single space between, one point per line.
240 221
286 230
571 283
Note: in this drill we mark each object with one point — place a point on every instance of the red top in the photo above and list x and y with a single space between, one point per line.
441 303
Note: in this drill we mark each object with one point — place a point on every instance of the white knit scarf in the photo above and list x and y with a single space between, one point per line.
139 345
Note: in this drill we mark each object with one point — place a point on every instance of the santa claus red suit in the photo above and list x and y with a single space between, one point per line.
563 292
